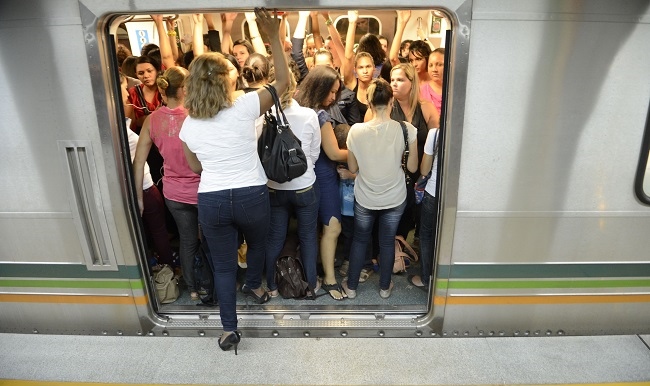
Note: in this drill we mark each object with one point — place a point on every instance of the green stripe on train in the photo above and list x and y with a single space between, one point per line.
57 283
539 284
542 271
69 271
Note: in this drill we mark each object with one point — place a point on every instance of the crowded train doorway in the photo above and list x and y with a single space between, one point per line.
426 31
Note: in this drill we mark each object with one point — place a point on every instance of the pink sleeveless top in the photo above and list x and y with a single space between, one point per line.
180 183
427 93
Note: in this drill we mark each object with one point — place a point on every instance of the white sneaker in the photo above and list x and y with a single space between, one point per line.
385 294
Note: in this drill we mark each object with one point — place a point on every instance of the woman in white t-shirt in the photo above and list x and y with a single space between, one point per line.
220 143
375 150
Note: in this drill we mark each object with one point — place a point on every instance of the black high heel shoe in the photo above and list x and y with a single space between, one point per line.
230 341
259 299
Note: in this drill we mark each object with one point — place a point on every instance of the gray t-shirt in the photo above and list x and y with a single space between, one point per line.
378 149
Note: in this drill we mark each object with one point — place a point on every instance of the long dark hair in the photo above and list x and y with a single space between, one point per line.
316 87
421 50
150 60
370 43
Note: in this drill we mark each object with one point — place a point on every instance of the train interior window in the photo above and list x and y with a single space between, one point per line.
365 24
134 32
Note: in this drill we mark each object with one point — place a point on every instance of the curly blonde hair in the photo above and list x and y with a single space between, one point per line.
208 86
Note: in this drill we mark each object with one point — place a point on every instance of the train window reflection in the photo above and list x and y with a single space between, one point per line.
365 24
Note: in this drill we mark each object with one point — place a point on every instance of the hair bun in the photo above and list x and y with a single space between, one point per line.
162 82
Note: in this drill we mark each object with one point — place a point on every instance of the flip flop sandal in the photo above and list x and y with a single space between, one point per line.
334 287
365 274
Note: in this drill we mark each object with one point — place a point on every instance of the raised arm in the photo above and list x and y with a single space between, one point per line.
209 21
171 36
315 30
297 41
166 55
402 19
337 43
286 42
353 16
214 37
422 35
197 35
269 24
347 62
226 40
256 38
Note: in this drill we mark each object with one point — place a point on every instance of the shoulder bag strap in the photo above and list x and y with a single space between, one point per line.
278 106
405 155
282 119
435 143
143 102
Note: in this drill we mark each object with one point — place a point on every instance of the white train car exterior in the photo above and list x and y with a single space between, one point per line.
543 219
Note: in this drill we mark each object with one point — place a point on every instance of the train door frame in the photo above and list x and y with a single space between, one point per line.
96 17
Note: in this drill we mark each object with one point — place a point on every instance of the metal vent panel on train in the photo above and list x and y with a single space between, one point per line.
86 205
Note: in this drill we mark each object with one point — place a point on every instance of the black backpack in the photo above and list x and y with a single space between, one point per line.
290 278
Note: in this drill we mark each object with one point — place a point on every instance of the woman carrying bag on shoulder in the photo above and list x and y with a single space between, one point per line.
376 152
220 143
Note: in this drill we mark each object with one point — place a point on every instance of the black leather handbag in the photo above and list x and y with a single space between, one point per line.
280 151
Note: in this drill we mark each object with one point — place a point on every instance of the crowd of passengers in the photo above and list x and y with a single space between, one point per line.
199 116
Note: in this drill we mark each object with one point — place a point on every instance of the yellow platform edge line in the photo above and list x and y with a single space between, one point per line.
12 382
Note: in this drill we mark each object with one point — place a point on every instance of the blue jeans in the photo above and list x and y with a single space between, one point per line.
187 221
347 231
428 224
304 203
363 221
221 215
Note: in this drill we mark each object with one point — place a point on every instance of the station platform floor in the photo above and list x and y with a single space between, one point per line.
54 360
